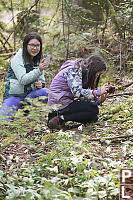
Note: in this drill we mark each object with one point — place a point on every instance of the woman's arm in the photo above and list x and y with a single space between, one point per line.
17 65
74 81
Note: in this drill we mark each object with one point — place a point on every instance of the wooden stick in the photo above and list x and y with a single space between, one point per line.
120 94
120 88
110 138
124 86
2 157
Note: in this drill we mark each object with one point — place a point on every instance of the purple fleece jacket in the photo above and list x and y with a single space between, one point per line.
60 93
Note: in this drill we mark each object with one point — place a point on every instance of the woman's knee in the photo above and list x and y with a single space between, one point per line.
9 107
95 119
93 109
37 93
96 110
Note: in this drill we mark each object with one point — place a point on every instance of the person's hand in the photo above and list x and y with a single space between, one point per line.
104 88
43 64
38 84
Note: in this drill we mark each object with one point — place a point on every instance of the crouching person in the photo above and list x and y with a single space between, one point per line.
74 91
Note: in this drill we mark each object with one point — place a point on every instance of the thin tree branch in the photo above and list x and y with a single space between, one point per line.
125 86
68 10
110 138
120 94
13 24
20 22
63 22
57 8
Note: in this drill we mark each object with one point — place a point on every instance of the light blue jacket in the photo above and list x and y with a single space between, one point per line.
21 77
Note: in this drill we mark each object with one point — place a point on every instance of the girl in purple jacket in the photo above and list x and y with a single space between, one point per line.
74 95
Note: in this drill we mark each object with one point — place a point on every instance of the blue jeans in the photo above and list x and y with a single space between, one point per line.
12 104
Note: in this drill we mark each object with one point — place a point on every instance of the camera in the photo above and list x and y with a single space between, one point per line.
111 89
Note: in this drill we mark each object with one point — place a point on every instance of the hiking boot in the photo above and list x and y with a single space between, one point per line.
56 123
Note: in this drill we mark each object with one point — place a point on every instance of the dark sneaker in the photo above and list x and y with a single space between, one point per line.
56 123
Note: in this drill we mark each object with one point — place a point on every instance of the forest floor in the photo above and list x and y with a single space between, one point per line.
72 160
83 162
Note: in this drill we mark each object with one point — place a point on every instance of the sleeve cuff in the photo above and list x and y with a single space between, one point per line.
99 101
97 92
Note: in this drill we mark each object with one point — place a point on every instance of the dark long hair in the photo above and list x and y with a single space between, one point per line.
26 56
92 65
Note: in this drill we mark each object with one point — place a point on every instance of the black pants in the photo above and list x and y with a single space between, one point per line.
78 111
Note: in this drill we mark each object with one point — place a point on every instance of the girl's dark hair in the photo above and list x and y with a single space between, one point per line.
26 56
92 65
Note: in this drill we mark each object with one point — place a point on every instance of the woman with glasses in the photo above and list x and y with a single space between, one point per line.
25 77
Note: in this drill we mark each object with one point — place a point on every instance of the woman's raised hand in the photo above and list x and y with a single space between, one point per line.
44 63
104 88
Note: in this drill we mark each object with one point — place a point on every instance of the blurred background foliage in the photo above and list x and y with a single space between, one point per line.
70 28
82 170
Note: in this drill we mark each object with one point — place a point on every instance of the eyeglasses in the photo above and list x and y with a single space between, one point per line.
34 45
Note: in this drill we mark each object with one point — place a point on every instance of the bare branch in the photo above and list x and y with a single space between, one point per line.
120 94
110 138
20 21
125 86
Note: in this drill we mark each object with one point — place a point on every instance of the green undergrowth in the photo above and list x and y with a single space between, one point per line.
65 165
